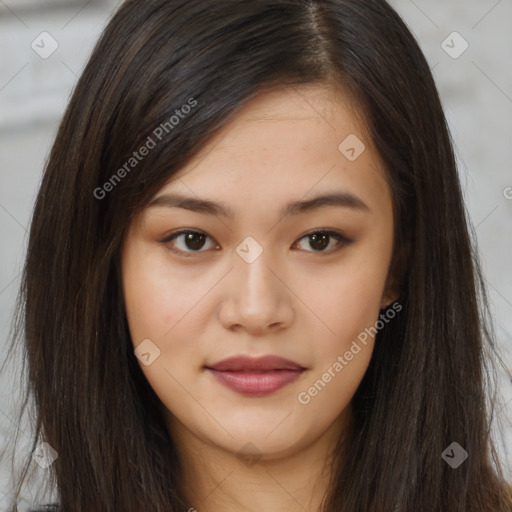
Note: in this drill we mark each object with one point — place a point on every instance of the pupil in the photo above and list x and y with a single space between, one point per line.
321 240
192 241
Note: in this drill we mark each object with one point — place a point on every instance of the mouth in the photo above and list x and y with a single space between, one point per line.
256 376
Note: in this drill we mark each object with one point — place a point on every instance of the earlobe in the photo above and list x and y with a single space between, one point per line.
386 301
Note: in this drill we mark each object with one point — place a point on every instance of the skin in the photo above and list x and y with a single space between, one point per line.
298 300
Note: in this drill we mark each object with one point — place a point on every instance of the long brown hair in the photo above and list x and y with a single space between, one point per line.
427 383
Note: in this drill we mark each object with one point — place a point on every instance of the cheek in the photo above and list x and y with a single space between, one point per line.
350 307
348 300
153 305
348 303
157 313
164 305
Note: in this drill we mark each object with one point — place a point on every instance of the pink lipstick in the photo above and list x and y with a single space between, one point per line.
256 376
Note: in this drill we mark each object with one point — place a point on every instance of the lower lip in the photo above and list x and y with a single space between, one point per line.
256 383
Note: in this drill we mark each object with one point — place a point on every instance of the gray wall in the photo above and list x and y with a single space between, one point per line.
475 86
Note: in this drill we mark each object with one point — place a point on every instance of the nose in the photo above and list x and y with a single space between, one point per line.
257 300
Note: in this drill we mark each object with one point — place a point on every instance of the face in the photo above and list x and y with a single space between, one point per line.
275 240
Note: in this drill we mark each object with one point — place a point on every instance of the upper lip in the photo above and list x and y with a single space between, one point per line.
270 362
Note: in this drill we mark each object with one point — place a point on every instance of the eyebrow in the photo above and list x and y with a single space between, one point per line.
205 206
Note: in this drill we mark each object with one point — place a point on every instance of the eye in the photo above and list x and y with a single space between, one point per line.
320 239
191 241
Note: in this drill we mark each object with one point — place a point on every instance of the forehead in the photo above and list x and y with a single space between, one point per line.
285 142
294 113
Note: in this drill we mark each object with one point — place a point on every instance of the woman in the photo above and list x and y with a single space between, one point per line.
249 280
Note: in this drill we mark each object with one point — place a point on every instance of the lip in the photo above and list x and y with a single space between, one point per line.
263 363
256 376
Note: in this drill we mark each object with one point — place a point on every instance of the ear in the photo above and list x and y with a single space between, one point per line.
395 281
391 291
387 299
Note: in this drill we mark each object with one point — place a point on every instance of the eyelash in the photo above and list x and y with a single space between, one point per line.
342 240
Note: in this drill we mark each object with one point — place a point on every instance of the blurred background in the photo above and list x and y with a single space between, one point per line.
45 44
